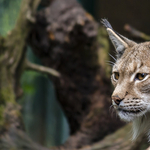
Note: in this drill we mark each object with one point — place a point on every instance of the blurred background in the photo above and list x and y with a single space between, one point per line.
44 119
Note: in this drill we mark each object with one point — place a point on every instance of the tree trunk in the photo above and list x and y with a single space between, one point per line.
12 63
65 38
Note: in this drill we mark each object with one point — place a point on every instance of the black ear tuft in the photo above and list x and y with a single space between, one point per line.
106 23
120 42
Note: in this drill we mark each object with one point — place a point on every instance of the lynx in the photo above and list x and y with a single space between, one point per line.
131 79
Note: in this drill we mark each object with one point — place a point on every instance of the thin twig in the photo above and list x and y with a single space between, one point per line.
42 69
134 32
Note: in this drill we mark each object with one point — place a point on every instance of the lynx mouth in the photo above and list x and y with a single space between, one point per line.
136 111
129 115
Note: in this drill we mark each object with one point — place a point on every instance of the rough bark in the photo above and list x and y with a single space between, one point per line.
11 67
65 38
12 56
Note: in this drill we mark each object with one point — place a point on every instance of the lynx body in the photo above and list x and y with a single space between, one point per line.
131 79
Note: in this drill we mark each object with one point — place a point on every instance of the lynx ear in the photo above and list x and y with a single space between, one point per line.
120 42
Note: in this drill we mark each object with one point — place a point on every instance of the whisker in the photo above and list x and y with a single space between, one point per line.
110 62
115 52
146 103
112 57
116 114
110 108
143 114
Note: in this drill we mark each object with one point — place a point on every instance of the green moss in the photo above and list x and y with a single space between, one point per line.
6 89
2 119
103 52
6 95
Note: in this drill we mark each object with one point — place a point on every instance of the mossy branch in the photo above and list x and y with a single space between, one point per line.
42 69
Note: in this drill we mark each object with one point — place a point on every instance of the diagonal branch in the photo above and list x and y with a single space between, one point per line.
42 69
119 140
134 32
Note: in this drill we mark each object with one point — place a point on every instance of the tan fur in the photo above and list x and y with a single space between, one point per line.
135 93
131 96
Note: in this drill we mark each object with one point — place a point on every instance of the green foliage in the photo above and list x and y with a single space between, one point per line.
2 120
27 81
8 14
41 111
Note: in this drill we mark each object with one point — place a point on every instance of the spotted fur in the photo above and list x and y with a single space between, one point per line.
134 94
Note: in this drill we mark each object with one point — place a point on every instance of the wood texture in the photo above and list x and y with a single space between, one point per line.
65 37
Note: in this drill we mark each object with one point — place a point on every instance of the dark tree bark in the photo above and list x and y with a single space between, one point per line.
65 38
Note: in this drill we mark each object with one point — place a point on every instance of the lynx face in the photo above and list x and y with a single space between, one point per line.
131 79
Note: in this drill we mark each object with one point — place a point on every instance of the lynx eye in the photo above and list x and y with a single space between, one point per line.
140 76
116 75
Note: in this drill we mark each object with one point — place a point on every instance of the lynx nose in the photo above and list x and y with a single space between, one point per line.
117 99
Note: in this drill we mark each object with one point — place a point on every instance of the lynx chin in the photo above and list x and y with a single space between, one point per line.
131 79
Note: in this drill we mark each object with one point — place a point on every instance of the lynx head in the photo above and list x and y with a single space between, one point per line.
131 79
